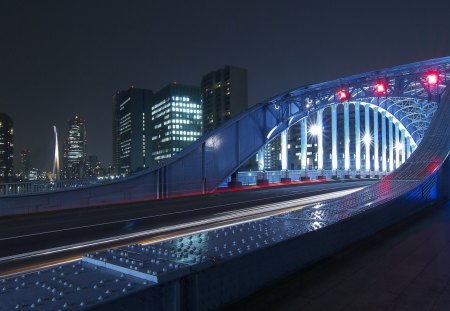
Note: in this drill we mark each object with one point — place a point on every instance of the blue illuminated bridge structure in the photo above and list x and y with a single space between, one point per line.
393 124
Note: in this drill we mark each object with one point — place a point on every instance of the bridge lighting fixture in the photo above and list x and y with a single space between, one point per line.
315 130
432 78
367 139
343 95
380 88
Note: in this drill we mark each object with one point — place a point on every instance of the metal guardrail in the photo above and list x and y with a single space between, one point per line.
41 186
251 177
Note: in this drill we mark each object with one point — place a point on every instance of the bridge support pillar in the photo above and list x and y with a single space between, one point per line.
304 143
383 142
334 164
284 149
346 137
391 145
285 156
367 137
403 145
397 145
320 143
376 160
408 147
357 140
304 148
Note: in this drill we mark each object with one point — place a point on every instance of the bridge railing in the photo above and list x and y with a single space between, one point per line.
246 178
250 178
40 186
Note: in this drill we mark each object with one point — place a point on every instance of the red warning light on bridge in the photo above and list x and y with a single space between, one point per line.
380 88
343 95
432 78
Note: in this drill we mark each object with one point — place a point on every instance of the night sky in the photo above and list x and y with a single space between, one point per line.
58 58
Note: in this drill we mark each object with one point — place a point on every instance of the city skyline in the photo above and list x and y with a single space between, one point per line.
55 66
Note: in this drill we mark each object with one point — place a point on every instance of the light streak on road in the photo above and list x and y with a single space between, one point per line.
215 221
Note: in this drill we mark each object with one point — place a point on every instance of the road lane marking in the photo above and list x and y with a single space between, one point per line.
159 215
264 209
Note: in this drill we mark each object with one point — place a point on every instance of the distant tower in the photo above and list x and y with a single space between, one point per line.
131 138
25 159
55 172
6 148
74 149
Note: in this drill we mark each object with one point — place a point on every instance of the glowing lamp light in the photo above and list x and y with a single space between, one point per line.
380 88
367 139
432 78
315 130
343 95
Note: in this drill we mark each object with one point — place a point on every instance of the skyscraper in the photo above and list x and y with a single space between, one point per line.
224 94
6 148
25 164
130 130
176 120
75 149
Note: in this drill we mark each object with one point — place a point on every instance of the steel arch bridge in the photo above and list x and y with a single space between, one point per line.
409 95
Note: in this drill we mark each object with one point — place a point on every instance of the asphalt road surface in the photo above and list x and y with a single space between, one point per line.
35 240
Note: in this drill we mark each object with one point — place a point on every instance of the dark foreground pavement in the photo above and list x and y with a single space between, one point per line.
404 267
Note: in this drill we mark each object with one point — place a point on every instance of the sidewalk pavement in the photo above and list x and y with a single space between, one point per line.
404 267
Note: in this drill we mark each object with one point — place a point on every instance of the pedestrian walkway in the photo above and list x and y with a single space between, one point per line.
405 267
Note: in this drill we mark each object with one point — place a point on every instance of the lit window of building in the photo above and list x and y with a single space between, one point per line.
174 105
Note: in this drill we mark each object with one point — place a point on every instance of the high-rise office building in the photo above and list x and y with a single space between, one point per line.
75 149
6 148
224 94
25 164
131 150
176 120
